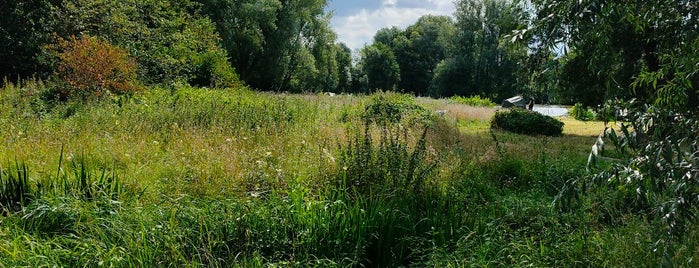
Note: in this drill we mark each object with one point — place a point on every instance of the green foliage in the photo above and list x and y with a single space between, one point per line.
659 150
472 101
640 54
280 45
526 122
169 41
380 67
418 50
625 50
15 188
24 28
479 63
394 164
582 113
448 78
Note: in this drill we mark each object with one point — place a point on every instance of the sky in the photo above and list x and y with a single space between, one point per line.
356 21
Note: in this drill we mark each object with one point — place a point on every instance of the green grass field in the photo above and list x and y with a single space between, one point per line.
190 177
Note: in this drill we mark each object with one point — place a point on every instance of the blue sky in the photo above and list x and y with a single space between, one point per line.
356 21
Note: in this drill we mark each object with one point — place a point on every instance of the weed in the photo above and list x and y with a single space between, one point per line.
15 188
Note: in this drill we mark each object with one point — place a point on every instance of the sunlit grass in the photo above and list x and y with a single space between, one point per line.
581 128
239 178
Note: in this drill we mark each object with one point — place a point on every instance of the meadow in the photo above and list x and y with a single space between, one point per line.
191 177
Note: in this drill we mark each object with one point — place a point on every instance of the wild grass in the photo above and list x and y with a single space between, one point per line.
235 178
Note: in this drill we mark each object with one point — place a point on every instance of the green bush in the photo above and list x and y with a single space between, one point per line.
391 108
526 122
579 112
396 158
472 101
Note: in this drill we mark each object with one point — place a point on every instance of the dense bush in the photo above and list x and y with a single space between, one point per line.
582 113
472 101
388 107
92 66
526 122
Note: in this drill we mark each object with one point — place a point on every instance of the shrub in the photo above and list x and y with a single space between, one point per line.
472 101
395 158
579 112
213 71
526 122
89 65
391 108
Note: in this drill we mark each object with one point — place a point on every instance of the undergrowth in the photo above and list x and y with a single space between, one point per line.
234 178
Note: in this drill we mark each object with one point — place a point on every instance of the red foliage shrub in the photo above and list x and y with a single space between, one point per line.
89 65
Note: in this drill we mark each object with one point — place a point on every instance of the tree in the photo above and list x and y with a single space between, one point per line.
480 63
25 27
321 43
344 66
278 44
387 36
379 64
451 78
644 54
420 48
170 41
614 43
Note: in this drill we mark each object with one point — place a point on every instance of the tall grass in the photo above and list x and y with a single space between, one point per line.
234 178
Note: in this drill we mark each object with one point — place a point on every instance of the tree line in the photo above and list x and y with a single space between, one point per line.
586 52
275 45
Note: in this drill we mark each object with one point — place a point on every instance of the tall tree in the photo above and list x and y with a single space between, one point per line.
420 48
480 63
344 66
379 65
278 44
387 36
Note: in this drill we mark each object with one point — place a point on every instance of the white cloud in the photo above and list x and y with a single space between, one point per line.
358 29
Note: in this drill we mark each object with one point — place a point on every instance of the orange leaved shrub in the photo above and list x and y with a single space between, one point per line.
89 65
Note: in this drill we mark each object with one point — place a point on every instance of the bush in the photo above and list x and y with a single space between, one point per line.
213 71
387 151
391 108
526 122
579 112
472 101
92 66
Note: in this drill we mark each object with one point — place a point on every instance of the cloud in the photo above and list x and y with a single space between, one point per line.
359 28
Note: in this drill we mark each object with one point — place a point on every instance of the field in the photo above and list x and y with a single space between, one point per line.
189 177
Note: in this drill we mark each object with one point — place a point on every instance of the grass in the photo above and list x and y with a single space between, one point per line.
235 178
